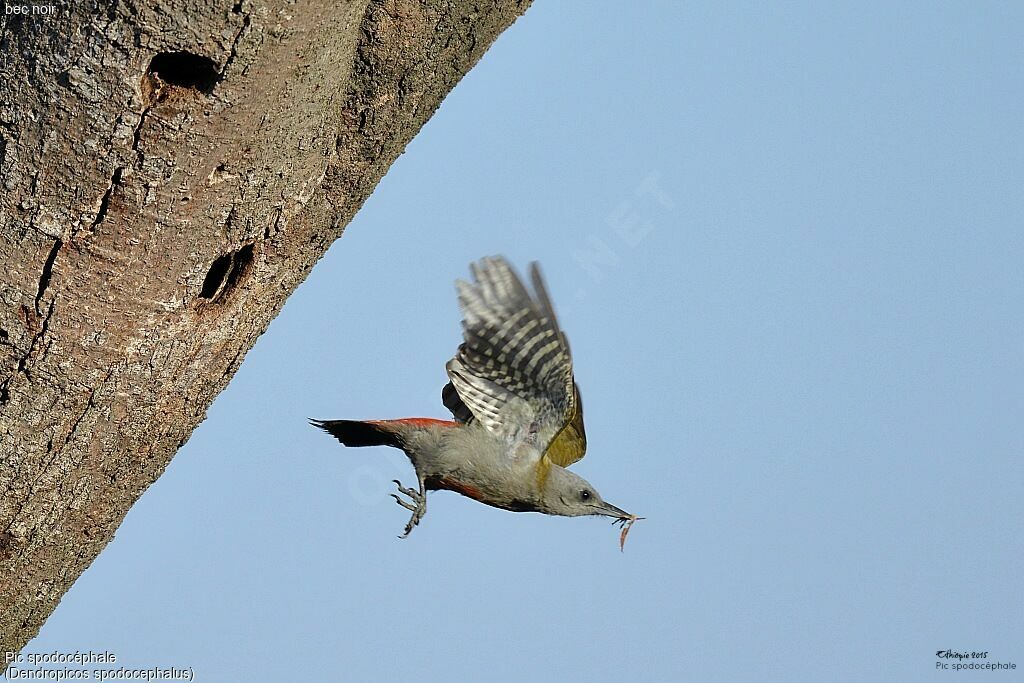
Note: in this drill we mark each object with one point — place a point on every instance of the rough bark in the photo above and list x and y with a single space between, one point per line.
170 170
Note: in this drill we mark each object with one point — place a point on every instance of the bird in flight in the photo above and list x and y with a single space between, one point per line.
518 416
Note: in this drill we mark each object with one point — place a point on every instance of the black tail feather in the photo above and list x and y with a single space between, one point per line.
357 433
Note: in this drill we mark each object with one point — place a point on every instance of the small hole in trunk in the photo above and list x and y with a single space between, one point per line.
225 272
185 70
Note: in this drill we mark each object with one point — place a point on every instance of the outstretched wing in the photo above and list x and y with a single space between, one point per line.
514 365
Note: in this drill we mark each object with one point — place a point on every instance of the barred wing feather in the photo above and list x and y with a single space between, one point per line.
514 357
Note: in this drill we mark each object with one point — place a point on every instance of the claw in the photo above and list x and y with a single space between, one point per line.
418 510
407 506
412 493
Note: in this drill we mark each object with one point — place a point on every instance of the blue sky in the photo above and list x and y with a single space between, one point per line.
786 246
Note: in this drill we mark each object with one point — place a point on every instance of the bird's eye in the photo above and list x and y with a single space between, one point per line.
585 494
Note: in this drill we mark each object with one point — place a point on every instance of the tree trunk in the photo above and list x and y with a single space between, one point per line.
170 170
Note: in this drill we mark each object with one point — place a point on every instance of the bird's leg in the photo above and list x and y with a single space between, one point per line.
418 497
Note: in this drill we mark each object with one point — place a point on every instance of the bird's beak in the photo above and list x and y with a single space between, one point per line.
610 510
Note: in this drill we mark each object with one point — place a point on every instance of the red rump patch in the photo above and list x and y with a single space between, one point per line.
416 422
427 422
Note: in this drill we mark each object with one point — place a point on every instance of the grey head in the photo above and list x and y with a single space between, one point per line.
570 495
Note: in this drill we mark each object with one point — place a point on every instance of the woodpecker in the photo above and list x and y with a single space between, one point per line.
518 415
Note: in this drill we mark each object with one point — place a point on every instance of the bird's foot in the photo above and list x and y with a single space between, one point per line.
418 506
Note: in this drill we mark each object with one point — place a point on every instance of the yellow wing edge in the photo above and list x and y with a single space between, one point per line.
568 446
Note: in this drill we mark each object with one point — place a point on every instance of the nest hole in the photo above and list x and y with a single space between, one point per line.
225 272
185 70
